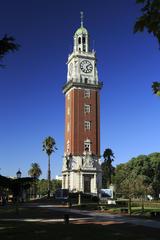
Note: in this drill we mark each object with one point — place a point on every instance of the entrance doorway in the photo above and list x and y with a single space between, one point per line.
87 184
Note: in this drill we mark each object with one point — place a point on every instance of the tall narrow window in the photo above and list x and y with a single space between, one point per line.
84 40
68 146
68 111
79 40
87 93
87 125
87 108
68 127
86 80
68 96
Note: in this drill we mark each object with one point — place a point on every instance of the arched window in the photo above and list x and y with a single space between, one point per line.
86 80
87 145
68 146
79 40
84 40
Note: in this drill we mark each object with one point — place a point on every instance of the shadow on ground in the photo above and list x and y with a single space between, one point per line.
77 230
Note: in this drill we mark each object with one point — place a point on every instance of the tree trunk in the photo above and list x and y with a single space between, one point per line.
35 188
129 206
142 204
49 177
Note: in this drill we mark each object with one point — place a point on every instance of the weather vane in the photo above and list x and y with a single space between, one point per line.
82 16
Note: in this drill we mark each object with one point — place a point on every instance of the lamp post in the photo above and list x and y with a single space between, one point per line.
34 186
79 194
19 187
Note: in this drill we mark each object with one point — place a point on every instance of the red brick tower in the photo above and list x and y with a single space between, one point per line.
81 169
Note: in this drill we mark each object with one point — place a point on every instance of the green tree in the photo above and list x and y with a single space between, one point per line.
150 21
43 184
150 18
7 44
140 176
35 170
156 88
49 146
107 168
56 184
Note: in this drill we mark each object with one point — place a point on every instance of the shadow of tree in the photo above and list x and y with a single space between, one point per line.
84 230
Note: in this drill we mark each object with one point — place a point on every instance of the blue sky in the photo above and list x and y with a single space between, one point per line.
31 99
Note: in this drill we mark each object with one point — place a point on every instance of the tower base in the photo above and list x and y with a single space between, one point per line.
82 174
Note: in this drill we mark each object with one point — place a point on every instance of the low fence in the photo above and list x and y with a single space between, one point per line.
146 204
132 206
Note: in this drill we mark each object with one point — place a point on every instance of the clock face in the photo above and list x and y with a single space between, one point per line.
70 69
86 66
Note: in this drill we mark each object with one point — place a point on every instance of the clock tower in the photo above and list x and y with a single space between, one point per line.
81 169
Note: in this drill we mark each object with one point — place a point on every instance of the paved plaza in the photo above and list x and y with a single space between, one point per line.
58 213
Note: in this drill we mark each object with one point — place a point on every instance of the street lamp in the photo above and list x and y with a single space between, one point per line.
19 188
68 166
19 174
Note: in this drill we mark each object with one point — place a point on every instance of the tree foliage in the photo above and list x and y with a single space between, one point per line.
49 146
7 44
107 167
42 186
156 88
139 176
35 170
150 18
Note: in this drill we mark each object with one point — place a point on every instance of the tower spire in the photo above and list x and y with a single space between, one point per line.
82 16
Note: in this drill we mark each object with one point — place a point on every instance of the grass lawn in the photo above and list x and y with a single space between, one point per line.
137 211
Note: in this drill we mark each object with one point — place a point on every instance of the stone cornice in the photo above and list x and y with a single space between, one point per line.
70 84
89 55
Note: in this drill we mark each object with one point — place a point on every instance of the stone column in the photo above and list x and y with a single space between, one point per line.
63 182
81 189
95 183
66 182
69 180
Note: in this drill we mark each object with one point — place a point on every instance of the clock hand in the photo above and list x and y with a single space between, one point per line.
88 66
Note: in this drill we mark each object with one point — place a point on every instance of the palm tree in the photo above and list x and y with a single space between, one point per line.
156 88
49 146
35 171
7 44
107 167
